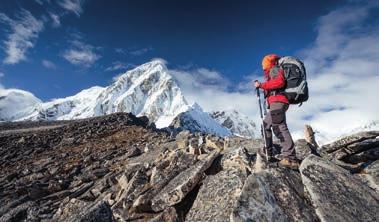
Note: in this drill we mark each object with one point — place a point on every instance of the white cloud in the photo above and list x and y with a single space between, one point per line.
210 89
2 74
115 66
80 53
74 6
24 31
342 67
343 75
48 64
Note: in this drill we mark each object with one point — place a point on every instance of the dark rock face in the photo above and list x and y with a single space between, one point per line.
120 168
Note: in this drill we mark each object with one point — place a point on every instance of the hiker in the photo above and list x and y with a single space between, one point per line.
276 117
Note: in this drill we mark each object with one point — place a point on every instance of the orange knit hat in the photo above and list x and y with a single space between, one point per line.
269 61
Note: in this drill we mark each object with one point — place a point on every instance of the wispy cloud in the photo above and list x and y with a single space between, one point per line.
2 74
139 52
24 31
120 51
134 52
80 53
48 64
55 19
117 65
74 6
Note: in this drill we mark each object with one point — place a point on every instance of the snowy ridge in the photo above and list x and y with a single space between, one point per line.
196 120
237 123
78 106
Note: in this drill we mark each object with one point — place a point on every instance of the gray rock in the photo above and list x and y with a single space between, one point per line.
364 156
128 193
23 212
217 196
167 167
331 147
182 184
76 210
345 153
303 149
256 203
273 195
371 175
168 215
237 159
336 194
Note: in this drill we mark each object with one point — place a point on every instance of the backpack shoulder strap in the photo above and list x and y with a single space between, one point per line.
274 72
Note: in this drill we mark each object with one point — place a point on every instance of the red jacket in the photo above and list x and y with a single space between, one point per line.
274 83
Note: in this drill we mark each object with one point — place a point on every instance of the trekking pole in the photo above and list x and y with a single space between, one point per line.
262 125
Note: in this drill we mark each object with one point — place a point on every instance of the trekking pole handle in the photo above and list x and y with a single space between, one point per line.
259 100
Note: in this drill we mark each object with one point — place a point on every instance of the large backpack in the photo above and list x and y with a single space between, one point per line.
296 88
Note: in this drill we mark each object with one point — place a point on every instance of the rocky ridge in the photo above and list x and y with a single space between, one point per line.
121 168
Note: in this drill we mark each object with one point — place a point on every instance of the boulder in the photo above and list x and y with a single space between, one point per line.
167 167
77 210
182 184
216 197
336 194
345 152
23 212
304 149
371 175
343 142
214 142
273 195
237 159
168 215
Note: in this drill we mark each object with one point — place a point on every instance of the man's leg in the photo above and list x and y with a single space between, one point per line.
279 125
267 124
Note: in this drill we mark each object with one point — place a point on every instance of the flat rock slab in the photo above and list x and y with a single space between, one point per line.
336 194
182 184
358 137
273 195
217 196
81 211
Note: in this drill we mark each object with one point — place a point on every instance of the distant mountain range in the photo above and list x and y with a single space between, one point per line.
147 90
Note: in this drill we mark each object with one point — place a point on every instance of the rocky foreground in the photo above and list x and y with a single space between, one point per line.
121 168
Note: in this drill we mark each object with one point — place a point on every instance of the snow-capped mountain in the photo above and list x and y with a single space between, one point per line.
148 90
16 104
237 123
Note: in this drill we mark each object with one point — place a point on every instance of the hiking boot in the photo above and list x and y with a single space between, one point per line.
289 163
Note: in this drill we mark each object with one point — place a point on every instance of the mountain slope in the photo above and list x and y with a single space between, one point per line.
237 123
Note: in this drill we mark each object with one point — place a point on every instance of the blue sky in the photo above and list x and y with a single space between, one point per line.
227 36
213 48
